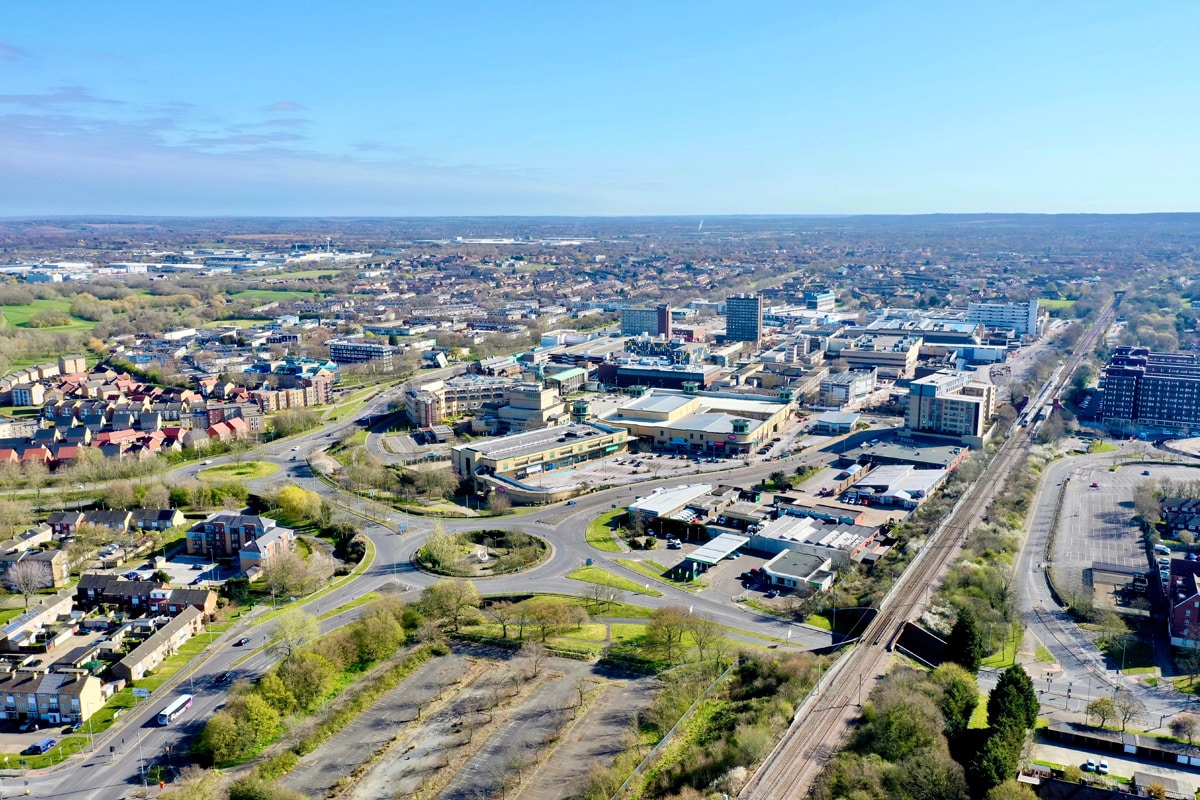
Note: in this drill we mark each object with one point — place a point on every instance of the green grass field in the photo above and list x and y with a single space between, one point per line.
271 295
1055 304
600 531
19 316
605 578
245 471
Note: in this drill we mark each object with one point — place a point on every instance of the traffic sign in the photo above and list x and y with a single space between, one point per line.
141 692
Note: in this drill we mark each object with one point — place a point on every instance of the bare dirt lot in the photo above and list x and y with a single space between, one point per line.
478 723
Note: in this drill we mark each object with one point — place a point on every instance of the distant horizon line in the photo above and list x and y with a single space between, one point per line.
690 216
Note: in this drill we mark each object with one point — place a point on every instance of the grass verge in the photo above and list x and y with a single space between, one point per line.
245 471
654 571
603 577
600 531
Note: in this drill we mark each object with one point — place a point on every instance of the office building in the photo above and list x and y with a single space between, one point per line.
819 300
743 318
1022 318
652 321
1151 392
359 350
948 403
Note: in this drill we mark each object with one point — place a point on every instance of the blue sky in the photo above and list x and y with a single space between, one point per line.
447 108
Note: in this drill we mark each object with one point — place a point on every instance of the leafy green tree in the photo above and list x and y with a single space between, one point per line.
997 760
293 629
898 723
960 695
1011 789
966 645
1103 709
451 601
376 636
930 774
256 717
1013 699
272 689
308 677
221 739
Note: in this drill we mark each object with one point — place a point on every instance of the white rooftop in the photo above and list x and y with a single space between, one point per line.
661 502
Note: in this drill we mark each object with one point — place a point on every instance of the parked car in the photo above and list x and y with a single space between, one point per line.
1145 472
196 581
39 747
197 566
28 725
771 595
1095 485
1102 767
1090 765
74 727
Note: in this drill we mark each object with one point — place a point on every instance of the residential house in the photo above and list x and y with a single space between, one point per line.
225 533
263 549
156 519
54 564
164 643
22 632
115 521
54 698
64 523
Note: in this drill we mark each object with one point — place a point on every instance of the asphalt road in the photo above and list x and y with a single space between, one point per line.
138 741
1080 672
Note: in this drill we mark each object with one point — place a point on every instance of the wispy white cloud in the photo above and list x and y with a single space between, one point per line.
285 106
10 52
64 95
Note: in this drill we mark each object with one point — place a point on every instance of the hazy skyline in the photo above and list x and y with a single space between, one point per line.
277 108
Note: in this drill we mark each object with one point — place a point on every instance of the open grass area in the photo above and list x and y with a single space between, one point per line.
819 621
19 316
605 578
1055 304
115 706
655 572
7 614
245 471
1101 446
1006 657
271 295
600 531
1044 655
65 747
172 664
978 719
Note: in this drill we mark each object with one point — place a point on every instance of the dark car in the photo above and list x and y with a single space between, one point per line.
225 677
196 581
771 595
39 747
74 727
242 642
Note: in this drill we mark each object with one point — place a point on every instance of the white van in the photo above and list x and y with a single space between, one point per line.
1162 549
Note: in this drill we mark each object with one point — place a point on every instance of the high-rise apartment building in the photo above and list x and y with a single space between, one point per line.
949 403
743 318
1021 317
1151 391
654 321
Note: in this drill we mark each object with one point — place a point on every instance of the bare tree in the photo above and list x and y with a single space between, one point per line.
293 629
27 578
1185 727
1127 707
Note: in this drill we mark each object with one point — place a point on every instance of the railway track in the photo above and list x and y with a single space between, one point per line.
823 722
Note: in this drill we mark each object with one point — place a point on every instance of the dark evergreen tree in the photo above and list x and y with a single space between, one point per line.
997 761
1013 700
965 645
